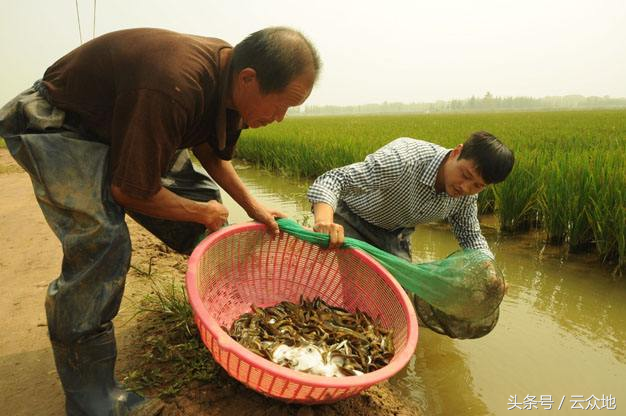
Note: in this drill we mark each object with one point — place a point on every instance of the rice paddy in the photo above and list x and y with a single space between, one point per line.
569 178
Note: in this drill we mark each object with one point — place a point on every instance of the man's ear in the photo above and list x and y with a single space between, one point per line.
457 150
246 76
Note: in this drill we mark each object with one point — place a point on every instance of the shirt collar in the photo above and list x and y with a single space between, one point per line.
223 81
429 176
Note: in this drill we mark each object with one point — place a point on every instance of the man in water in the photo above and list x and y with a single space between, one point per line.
410 182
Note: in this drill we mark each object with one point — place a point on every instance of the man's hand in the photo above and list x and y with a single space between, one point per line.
266 216
335 232
166 204
324 223
214 215
224 174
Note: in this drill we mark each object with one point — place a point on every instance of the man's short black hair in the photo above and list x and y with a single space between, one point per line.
278 55
493 160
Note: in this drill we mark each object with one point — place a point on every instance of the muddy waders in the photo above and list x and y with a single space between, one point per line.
70 178
86 372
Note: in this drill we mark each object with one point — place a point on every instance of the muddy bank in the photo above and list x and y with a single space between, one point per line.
31 258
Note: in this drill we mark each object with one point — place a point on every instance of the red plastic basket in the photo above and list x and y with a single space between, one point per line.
241 265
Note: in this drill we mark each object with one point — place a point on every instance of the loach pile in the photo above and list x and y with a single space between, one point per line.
315 338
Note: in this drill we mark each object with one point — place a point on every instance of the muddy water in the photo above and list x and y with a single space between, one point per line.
561 336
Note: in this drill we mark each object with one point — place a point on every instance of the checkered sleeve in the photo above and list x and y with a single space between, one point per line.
466 227
379 170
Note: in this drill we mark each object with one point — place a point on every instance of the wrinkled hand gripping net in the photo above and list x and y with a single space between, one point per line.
458 296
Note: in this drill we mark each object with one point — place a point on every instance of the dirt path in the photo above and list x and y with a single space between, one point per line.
31 258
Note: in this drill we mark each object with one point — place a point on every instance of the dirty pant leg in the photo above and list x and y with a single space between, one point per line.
189 181
396 242
69 180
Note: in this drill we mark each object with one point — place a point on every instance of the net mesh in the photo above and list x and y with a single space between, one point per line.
458 296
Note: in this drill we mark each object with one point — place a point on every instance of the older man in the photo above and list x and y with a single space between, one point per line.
105 133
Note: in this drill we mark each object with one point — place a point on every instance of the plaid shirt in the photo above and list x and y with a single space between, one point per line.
394 187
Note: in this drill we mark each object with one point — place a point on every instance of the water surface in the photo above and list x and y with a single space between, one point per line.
561 335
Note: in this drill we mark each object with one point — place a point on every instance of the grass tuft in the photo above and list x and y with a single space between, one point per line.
170 354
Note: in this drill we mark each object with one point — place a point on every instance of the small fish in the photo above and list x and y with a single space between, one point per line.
315 337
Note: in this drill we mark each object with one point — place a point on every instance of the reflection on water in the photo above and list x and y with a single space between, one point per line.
284 194
562 329
438 379
562 332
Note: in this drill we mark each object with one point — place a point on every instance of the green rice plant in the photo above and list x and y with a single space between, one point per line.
487 201
607 211
516 197
563 200
569 172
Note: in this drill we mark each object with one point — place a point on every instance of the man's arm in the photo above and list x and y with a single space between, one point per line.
466 228
379 170
166 204
325 223
223 172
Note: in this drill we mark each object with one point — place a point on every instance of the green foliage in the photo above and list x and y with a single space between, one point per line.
563 200
516 198
606 208
487 201
172 353
569 175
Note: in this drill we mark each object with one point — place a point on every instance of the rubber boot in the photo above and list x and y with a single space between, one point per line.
86 372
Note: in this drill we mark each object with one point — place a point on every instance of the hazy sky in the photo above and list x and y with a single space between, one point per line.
373 51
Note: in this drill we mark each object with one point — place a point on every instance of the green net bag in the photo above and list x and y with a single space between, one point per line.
458 296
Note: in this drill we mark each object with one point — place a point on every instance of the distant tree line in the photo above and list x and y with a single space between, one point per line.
487 103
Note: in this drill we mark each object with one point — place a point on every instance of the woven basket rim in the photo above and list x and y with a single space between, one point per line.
225 342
